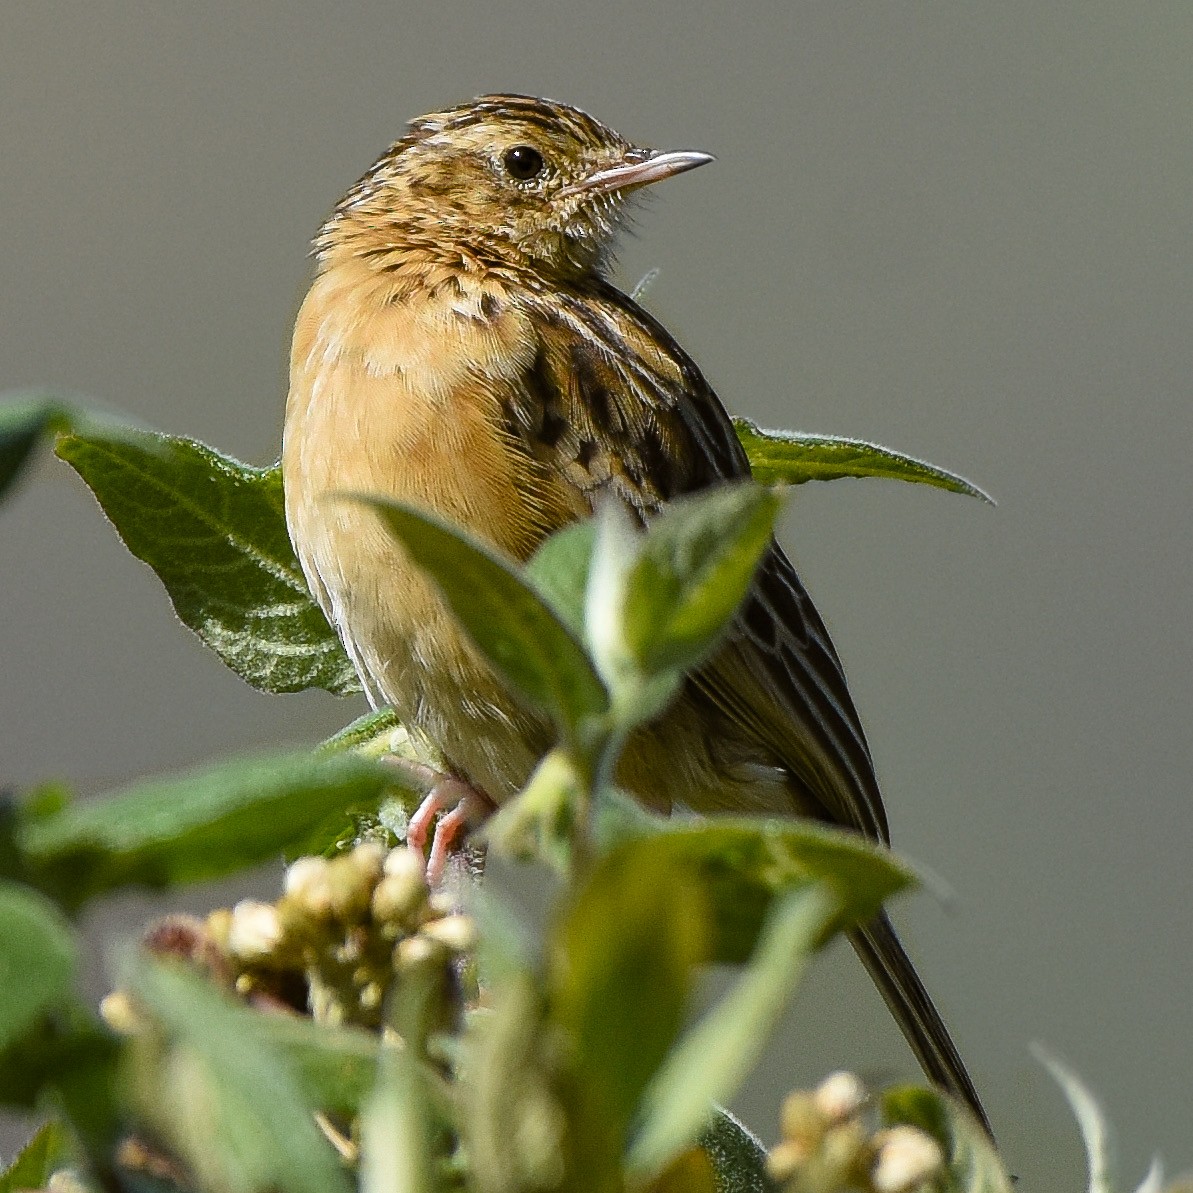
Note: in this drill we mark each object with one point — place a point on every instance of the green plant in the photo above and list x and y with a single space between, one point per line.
438 1049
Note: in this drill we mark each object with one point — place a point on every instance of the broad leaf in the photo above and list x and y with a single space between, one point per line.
37 1160
742 863
789 458
559 571
511 624
220 1095
196 826
621 962
972 1164
214 531
37 959
714 1057
694 565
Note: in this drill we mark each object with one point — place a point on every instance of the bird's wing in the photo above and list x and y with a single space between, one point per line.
616 406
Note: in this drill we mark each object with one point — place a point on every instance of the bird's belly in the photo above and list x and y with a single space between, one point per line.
362 436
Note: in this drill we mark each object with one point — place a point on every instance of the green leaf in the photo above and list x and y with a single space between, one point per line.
335 1068
38 959
559 571
395 1131
24 423
621 963
743 862
714 1057
376 733
219 1094
789 458
511 624
694 565
737 1155
214 531
972 1164
196 826
37 1160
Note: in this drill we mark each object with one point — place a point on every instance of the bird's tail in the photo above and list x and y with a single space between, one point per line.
883 956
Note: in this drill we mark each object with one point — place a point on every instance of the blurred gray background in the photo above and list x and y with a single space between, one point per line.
961 230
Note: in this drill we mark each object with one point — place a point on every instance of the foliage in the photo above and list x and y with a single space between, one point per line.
335 1037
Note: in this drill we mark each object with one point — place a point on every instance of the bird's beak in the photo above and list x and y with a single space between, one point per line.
639 168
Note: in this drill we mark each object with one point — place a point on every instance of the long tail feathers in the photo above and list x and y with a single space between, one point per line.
883 956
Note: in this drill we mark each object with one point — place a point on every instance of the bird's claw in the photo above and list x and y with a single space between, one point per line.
462 807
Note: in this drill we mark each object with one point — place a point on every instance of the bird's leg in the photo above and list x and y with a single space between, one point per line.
462 804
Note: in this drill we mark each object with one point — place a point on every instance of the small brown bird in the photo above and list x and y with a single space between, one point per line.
461 349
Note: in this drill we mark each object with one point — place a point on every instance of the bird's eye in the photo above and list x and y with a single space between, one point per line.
524 162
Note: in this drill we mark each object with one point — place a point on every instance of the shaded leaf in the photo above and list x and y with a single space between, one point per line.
714 1057
214 531
516 630
742 863
37 1160
201 1084
621 963
737 1155
198 825
789 458
972 1164
38 958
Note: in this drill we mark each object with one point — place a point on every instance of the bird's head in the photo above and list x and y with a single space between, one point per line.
506 179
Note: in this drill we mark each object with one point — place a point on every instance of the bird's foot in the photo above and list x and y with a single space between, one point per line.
462 807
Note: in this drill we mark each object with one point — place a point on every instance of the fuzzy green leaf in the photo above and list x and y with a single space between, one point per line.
517 631
559 571
738 1157
971 1163
712 1059
37 1160
694 564
634 927
216 1090
37 959
789 458
743 862
195 826
214 531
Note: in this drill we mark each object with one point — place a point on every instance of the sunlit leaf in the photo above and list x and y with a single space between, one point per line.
692 569
742 863
789 458
198 825
214 531
516 630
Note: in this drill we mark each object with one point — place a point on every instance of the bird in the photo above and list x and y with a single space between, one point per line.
461 348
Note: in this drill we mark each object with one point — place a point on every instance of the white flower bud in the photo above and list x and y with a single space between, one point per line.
905 1158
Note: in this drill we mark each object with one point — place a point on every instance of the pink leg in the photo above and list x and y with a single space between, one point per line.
463 804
